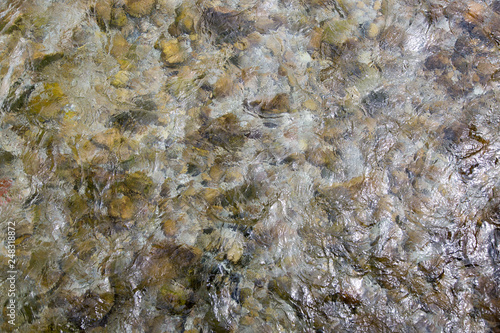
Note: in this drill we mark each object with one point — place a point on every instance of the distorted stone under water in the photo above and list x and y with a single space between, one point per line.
247 166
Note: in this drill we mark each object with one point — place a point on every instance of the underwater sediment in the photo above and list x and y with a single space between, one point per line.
243 166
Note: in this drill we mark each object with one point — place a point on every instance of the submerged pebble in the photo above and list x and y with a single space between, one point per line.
293 166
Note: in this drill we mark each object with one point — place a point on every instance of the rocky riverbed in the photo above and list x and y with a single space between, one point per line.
251 166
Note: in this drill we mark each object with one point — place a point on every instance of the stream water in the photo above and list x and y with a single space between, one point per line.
250 166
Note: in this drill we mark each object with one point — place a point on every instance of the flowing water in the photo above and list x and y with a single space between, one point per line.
250 166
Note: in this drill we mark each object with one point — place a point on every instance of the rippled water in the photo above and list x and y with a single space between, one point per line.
225 166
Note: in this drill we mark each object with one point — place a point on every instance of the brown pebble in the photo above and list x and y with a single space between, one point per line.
139 8
437 61
169 227
224 86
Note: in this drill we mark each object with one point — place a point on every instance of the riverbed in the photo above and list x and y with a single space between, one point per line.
250 166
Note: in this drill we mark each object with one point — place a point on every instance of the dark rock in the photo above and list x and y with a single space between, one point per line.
6 158
43 60
139 8
254 134
460 63
138 183
463 46
295 157
133 119
437 61
88 310
145 103
245 293
121 208
278 104
281 287
17 98
193 170
165 189
375 102
225 25
224 131
175 298
180 255
270 125
455 90
495 76
102 12
118 17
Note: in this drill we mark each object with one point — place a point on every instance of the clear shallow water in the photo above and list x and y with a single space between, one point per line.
294 166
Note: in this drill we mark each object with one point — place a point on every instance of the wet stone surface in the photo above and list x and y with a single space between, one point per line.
224 166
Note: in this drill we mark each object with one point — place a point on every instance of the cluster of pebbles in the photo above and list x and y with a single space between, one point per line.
247 166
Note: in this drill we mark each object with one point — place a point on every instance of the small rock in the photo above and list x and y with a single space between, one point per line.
279 104
169 227
122 208
167 7
224 131
233 175
264 24
108 139
224 86
295 158
42 60
275 46
392 36
139 8
460 63
165 188
171 52
235 252
184 22
252 305
216 172
321 158
88 309
226 25
242 44
6 158
464 46
375 102
102 10
475 13
269 124
138 183
247 320
281 286
282 70
184 255
120 79
437 61
245 293
175 298
485 69
133 120
118 17
496 76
